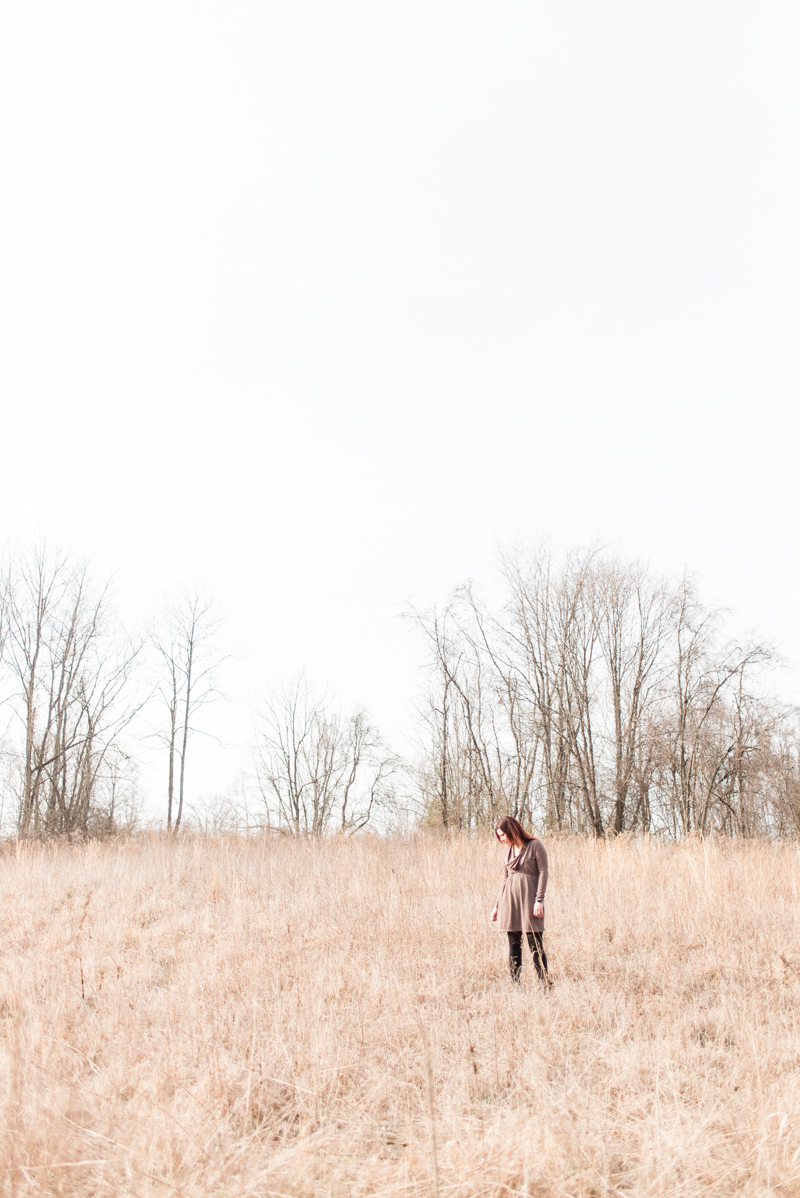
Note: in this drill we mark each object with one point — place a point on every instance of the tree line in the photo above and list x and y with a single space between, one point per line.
597 697
84 702
592 696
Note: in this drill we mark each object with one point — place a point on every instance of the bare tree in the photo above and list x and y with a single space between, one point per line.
484 738
537 631
447 773
315 769
118 797
68 671
635 613
704 674
579 620
781 776
184 638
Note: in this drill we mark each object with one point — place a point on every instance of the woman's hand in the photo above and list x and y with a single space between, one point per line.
493 916
538 910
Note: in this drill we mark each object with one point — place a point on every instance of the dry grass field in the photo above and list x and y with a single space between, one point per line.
230 1017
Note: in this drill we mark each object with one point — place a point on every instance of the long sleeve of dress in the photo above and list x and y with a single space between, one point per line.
502 884
541 857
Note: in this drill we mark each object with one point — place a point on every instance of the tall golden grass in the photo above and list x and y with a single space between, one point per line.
231 1017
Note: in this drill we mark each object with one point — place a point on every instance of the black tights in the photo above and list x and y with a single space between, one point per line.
515 954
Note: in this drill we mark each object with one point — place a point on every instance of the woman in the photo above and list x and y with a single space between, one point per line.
520 905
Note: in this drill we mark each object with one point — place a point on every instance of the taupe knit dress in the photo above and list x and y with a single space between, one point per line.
524 884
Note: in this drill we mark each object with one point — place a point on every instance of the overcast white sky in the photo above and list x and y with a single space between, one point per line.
317 301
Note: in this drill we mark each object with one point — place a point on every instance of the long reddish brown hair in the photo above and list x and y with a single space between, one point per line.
513 830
